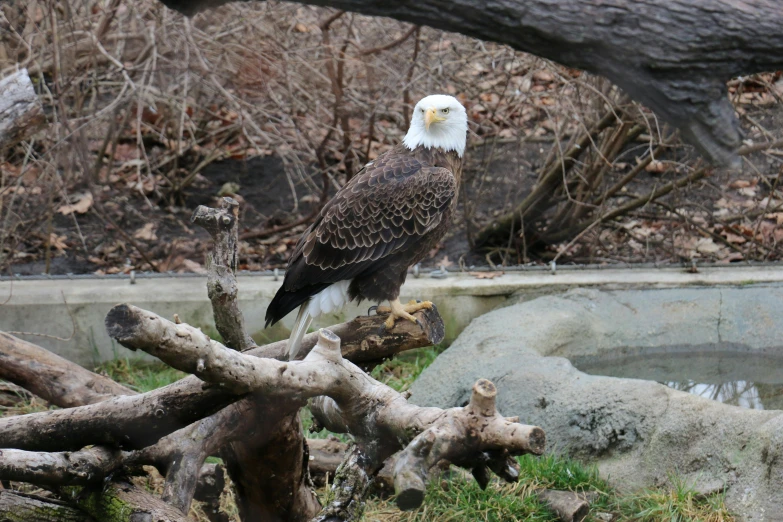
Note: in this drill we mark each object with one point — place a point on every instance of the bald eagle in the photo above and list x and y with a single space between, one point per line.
383 221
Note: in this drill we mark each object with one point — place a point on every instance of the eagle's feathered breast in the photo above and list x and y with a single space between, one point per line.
385 219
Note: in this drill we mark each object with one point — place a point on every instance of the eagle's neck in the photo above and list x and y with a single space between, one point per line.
438 157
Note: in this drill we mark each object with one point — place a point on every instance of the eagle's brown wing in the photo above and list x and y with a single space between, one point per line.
391 205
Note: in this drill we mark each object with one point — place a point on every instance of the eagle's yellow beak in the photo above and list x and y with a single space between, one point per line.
431 116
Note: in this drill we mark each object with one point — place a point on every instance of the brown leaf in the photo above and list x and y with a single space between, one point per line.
486 275
734 238
58 242
82 205
192 266
656 167
740 183
445 262
146 233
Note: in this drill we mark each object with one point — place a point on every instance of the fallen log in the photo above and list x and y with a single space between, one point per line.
569 506
33 508
51 377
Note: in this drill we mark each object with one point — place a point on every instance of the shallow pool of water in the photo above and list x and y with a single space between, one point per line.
732 374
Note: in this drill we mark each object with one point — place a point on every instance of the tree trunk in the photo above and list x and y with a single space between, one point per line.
21 507
672 55
21 113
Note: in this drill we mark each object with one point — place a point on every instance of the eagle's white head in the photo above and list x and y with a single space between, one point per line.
439 121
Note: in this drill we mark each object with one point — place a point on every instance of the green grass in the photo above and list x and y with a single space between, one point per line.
400 372
458 498
140 375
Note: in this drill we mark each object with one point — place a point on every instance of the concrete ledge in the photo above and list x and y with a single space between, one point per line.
39 306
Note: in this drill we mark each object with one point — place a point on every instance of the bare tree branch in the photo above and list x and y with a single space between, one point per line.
52 377
650 49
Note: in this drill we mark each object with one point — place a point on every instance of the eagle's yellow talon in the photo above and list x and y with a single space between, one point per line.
399 311
389 323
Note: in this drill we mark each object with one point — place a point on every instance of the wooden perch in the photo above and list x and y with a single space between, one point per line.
124 422
21 113
52 378
34 508
346 401
674 56
259 437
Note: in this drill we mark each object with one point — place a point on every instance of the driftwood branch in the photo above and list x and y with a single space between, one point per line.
351 401
121 501
569 506
33 508
21 113
259 436
125 422
674 56
51 377
222 263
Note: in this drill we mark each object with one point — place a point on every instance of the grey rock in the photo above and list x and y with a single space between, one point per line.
639 433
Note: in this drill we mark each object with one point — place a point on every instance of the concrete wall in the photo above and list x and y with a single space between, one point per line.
73 310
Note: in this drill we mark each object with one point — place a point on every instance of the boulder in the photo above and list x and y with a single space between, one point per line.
639 433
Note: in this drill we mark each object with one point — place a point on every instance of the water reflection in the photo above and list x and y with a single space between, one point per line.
732 374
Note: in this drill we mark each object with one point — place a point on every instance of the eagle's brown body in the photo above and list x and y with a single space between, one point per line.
384 220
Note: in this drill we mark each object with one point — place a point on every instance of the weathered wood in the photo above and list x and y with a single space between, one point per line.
21 113
123 502
672 55
569 506
366 339
51 377
326 455
344 399
222 264
23 507
125 422
88 466
268 470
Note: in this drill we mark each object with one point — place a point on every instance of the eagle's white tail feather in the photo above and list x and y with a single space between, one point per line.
302 323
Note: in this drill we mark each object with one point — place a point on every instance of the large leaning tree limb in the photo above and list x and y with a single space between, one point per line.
674 56
242 405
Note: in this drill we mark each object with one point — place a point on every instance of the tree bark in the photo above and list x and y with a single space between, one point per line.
673 56
345 400
22 507
123 502
124 422
569 506
21 113
52 378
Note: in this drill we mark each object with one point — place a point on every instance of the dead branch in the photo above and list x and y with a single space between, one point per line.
123 502
124 422
221 285
682 78
21 113
88 466
51 377
569 506
352 403
34 508
326 455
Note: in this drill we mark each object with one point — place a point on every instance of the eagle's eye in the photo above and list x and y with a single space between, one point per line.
445 111
422 111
